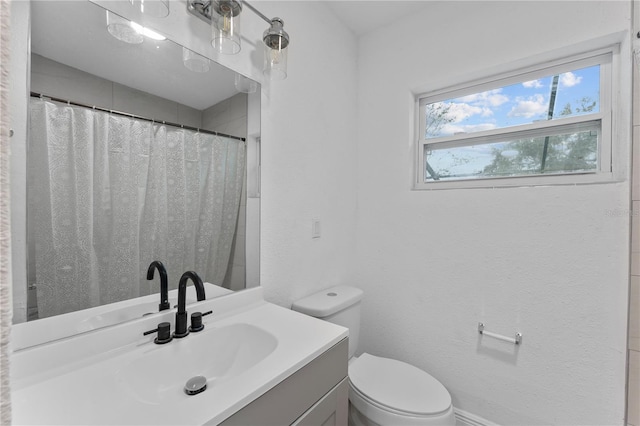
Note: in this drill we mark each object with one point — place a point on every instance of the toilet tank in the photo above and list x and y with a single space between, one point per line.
339 305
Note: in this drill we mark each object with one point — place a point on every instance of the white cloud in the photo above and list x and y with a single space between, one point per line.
452 129
532 84
490 98
529 107
569 79
487 112
497 100
460 111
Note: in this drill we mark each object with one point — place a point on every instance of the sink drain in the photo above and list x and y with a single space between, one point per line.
195 385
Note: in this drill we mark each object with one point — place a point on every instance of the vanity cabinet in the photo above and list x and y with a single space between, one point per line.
316 394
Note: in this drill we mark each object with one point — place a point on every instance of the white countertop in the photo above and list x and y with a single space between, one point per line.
44 330
79 380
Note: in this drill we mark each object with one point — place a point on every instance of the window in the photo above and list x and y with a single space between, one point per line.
546 124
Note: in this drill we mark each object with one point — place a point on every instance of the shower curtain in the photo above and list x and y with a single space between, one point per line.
109 194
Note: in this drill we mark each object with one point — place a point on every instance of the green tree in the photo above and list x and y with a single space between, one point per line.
567 152
437 117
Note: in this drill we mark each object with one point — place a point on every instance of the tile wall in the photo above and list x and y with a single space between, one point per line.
58 80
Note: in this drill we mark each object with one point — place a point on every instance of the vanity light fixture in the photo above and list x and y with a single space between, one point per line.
154 8
245 85
224 17
276 41
194 61
122 29
129 31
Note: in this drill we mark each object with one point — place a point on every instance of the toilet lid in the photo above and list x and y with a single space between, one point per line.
398 385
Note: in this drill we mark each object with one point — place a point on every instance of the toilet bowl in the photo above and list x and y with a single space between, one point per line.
382 391
385 391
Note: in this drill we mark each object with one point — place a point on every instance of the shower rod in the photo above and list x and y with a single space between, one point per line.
137 117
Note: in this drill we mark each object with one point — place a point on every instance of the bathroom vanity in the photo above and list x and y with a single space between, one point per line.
263 364
307 397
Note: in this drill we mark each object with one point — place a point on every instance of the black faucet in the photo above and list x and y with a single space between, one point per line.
181 314
164 286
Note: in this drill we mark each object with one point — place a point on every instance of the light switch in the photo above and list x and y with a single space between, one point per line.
315 228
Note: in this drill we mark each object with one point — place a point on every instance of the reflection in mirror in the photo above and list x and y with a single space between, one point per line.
137 152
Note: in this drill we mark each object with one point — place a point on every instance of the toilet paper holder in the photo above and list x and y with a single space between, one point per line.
516 341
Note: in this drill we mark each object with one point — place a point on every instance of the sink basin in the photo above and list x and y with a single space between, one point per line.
160 372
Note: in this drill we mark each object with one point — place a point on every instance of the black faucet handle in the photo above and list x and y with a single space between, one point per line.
196 322
164 333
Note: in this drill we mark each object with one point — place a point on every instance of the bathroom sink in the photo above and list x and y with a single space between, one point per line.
119 376
160 372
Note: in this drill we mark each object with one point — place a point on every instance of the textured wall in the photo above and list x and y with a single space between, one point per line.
309 157
550 262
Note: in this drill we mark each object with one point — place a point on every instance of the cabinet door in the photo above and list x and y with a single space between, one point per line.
331 410
290 399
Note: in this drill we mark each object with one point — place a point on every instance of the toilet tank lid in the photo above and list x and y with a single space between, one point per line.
329 301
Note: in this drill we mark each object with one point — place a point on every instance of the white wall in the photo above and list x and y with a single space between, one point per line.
309 157
549 262
633 392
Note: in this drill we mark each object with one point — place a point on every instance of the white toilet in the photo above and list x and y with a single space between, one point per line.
382 391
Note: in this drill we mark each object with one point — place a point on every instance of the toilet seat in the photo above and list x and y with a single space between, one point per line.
398 387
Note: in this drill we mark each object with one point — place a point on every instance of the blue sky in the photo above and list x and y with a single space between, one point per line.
520 103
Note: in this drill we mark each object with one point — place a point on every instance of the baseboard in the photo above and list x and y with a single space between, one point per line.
464 418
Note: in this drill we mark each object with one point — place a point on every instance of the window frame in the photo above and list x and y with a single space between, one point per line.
605 57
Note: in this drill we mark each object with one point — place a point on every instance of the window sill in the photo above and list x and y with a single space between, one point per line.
520 182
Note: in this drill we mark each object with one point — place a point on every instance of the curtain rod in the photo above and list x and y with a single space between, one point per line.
137 117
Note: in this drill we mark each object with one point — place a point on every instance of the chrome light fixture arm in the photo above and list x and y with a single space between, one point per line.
202 10
223 16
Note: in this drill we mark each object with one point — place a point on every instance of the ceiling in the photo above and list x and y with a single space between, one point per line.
363 16
75 34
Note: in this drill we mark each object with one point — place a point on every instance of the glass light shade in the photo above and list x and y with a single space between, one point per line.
245 85
225 26
194 61
122 29
154 8
276 41
275 63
